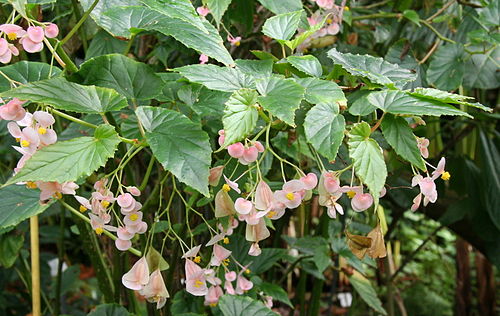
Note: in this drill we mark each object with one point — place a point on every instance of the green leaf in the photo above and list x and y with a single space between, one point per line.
281 97
178 9
322 91
10 245
155 260
300 38
109 310
376 69
368 159
307 64
276 292
70 160
231 305
481 69
103 43
361 106
446 97
401 54
446 70
367 292
19 203
255 68
282 6
400 136
69 96
324 128
490 15
398 102
218 8
282 26
412 16
490 182
180 145
25 72
240 115
125 21
210 102
217 78
128 77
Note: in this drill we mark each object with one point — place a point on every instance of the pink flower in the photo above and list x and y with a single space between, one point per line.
195 279
35 34
28 138
203 59
134 191
230 276
43 127
222 137
290 195
312 20
155 290
243 285
51 30
215 239
30 46
228 286
263 197
13 31
6 51
124 234
232 185
138 276
191 253
310 181
330 201
203 11
236 150
333 28
126 202
55 189
122 244
422 144
268 301
213 295
235 41
84 203
243 206
219 255
99 224
250 154
13 110
330 182
254 250
440 171
325 4
215 174
258 232
427 189
361 202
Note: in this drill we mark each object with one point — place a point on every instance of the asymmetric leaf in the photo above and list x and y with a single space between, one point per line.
308 64
217 78
25 72
446 70
282 26
321 91
19 203
232 305
240 115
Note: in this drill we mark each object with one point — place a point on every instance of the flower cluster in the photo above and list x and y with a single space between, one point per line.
31 39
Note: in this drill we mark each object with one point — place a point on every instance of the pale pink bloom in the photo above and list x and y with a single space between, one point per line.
134 191
26 121
228 286
361 202
236 150
232 185
332 207
243 206
191 253
351 191
195 279
35 34
28 138
138 276
99 224
250 154
155 290
383 192
139 228
254 250
50 189
312 20
213 295
253 217
100 186
234 41
44 123
268 301
263 197
422 144
333 29
258 232
325 4
229 230
310 181
133 218
416 202
211 278
7 56
277 210
230 276
427 189
215 239
215 174
22 161
5 53
222 137
13 110
290 195
13 31
122 244
51 30
124 234
203 59
331 182
127 202
84 202
219 255
30 46
439 169
243 285
203 11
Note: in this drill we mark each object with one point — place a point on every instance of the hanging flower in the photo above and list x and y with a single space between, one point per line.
155 290
138 276
195 279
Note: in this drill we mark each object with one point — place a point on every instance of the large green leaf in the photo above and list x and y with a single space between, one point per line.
301 37
282 26
178 9
367 157
490 15
281 6
255 68
446 70
281 97
217 78
19 203
361 106
401 54
400 136
240 115
218 8
180 145
490 182
232 305
376 69
447 97
308 64
276 292
398 102
481 69
70 160
127 76
25 72
109 310
367 292
126 21
322 91
10 245
210 102
103 43
324 128
69 96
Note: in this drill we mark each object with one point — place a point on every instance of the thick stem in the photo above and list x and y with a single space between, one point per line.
82 20
35 267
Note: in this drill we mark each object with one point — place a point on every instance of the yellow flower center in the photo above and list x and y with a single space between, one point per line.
271 214
99 230
57 195
226 187
351 194
225 240
11 36
329 21
82 208
198 283
197 259
18 140
25 143
446 176
226 262
290 196
105 204
134 217
247 271
213 304
31 185
346 8
42 130
237 43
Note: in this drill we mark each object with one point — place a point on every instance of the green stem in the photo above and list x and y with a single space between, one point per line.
376 16
73 119
80 22
148 173
433 29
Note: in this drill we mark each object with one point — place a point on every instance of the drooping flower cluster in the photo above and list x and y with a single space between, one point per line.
31 39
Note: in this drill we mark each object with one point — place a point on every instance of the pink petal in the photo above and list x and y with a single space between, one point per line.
51 30
293 186
310 181
263 196
123 245
250 154
361 201
236 150
35 34
243 206
44 119
30 46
